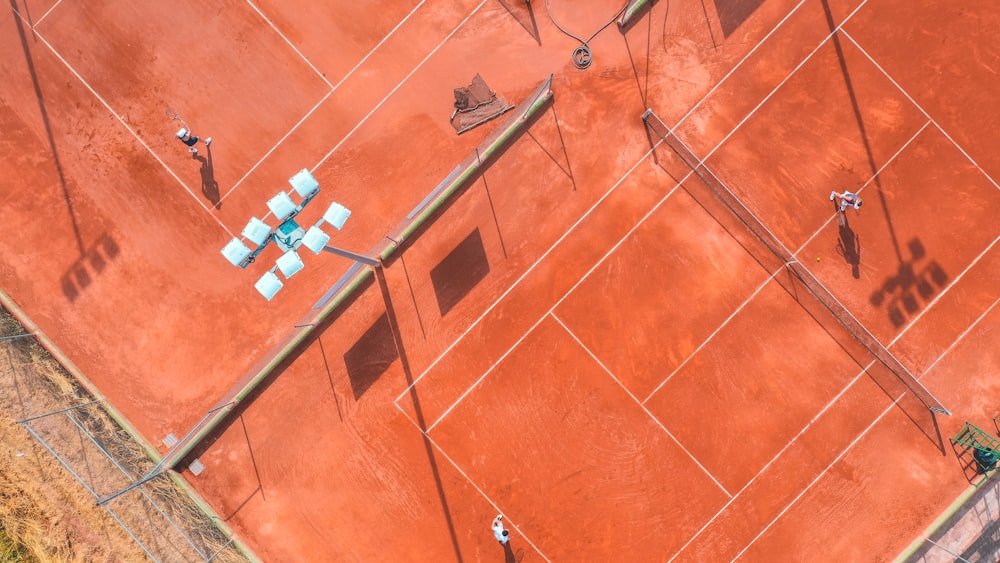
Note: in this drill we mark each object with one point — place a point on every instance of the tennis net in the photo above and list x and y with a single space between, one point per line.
831 304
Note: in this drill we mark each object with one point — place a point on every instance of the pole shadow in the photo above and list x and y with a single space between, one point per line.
568 169
524 15
421 421
642 85
256 472
46 122
209 185
77 277
856 108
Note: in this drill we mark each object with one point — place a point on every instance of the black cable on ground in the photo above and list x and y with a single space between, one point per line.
582 56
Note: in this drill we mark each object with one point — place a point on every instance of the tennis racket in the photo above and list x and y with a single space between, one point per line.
171 113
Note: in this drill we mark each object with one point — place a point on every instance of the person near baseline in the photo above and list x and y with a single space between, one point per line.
847 199
501 534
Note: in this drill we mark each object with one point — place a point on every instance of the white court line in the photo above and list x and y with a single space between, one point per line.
738 65
872 425
776 88
583 278
641 406
276 145
529 270
590 210
290 44
532 267
484 495
328 94
107 106
714 333
819 476
776 457
47 12
398 86
944 291
919 107
961 337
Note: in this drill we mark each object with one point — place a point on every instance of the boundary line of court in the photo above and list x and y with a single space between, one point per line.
121 120
534 265
46 14
333 89
277 144
920 108
777 456
738 65
401 82
830 404
559 301
287 41
888 409
481 492
652 417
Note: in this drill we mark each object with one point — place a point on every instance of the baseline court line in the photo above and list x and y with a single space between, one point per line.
484 495
737 65
128 128
45 15
289 42
328 94
641 406
718 329
919 107
888 409
401 82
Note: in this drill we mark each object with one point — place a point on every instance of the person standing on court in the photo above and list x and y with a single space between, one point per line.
499 532
190 140
847 199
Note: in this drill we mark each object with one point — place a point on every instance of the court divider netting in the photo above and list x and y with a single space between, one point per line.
796 269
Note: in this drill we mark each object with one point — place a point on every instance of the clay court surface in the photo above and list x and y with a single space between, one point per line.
584 340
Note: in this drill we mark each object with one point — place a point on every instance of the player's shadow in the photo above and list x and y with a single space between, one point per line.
849 246
209 185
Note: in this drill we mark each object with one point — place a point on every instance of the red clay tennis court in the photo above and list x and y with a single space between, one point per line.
626 335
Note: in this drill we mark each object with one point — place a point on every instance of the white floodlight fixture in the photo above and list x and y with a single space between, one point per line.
337 215
282 206
304 183
315 239
237 253
257 231
290 263
268 285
